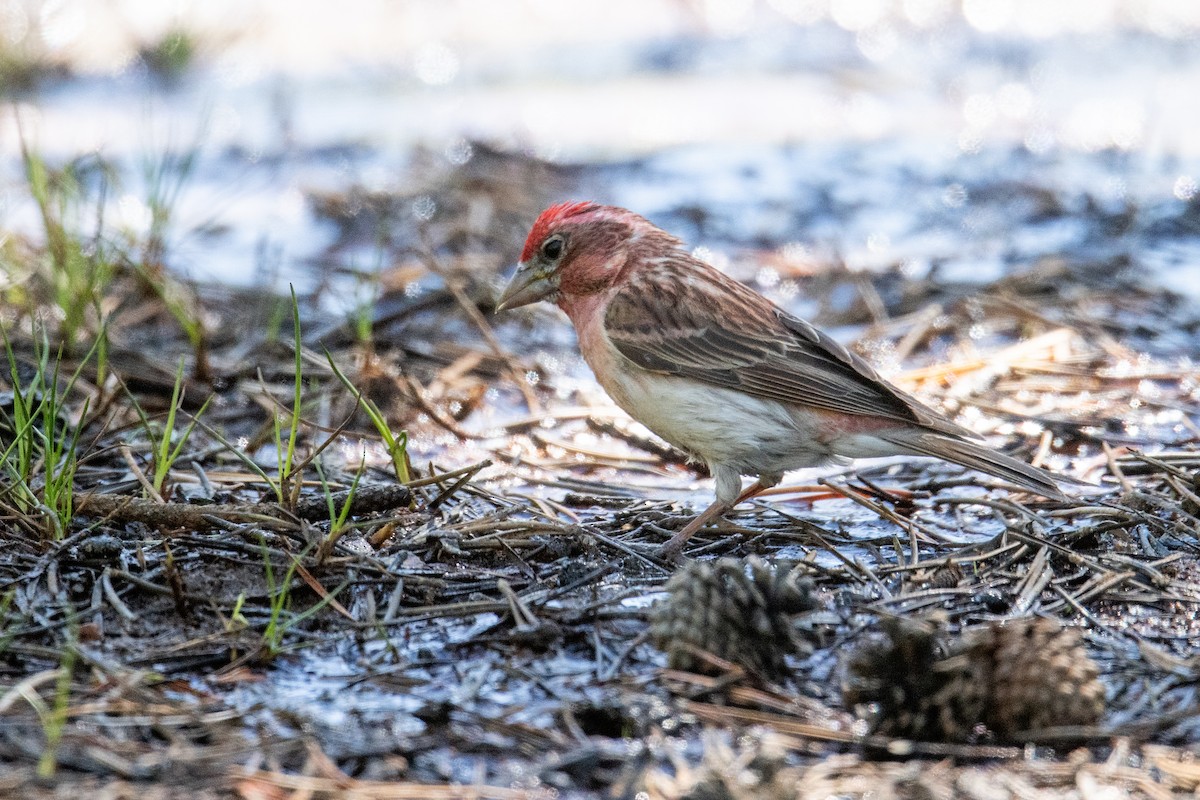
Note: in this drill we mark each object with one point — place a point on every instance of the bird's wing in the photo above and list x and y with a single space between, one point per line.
695 322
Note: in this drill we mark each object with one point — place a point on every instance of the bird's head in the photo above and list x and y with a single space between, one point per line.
574 250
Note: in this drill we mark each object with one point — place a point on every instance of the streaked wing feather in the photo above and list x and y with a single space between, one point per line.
668 321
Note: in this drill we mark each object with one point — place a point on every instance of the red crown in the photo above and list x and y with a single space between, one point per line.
547 220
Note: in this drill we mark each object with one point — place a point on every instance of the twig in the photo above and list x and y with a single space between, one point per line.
366 500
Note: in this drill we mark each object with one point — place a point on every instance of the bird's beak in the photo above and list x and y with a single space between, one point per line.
527 286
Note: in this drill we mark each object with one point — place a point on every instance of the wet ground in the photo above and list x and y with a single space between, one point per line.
1009 239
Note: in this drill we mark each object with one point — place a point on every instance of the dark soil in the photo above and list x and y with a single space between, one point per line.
486 633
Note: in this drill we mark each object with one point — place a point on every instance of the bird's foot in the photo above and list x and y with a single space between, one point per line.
671 555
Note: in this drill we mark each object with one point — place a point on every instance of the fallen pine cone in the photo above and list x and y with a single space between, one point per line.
738 611
1008 678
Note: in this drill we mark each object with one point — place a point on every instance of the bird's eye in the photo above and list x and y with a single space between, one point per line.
553 247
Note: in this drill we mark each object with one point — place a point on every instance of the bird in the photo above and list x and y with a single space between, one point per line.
720 371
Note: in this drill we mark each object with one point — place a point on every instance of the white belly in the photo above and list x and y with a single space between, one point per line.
719 426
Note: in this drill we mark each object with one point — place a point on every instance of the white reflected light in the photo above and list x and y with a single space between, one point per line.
1185 187
955 196
459 152
1014 100
801 12
712 257
424 207
14 22
729 17
988 16
133 215
877 42
927 13
857 15
1169 18
979 110
435 64
62 23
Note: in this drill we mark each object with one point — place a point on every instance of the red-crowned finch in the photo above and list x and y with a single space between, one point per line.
718 370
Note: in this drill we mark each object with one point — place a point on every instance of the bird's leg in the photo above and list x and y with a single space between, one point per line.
719 507
676 542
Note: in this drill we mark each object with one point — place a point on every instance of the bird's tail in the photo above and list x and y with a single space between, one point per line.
974 455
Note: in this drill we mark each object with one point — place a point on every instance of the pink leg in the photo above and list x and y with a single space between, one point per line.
676 542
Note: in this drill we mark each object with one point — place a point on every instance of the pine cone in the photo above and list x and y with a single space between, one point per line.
718 608
1008 678
943 576
899 675
1041 677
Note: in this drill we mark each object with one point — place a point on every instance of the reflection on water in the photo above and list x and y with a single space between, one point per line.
967 135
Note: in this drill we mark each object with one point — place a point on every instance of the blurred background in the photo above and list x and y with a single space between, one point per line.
961 137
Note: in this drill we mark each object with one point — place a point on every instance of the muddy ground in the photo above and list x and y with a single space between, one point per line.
487 634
